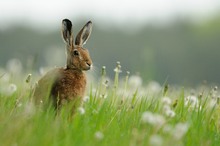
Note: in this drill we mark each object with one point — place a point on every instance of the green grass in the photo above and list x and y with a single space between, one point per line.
118 119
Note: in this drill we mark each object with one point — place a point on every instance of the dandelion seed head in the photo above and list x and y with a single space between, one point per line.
180 130
14 66
156 140
152 119
191 100
167 128
166 107
166 100
135 81
170 113
10 89
81 110
86 98
99 135
154 86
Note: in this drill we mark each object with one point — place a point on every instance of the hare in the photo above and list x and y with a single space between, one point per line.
63 85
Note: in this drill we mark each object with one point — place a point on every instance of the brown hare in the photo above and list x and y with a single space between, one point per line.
63 85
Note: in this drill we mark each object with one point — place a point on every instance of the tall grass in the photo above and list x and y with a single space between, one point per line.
113 114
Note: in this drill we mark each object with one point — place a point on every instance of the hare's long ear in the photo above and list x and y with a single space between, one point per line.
67 31
84 34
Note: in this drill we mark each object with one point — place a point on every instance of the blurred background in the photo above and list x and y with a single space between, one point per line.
173 40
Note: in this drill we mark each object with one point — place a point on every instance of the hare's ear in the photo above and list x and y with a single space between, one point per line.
84 34
67 31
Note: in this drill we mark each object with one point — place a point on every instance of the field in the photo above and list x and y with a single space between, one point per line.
121 112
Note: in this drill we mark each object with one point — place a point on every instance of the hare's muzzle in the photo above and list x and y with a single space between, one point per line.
88 66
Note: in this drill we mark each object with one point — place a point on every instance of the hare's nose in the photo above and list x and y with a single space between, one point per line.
88 63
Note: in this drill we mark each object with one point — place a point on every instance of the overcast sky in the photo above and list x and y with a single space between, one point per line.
119 12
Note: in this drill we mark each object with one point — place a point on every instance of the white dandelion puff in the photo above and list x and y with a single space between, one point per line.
14 66
166 100
99 135
135 81
154 86
86 98
170 113
180 130
81 110
156 140
166 108
11 89
191 100
168 129
152 119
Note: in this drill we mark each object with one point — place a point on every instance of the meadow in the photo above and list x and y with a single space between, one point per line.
119 112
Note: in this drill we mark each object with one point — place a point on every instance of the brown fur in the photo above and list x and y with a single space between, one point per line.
63 85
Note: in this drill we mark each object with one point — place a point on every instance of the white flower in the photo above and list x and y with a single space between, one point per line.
166 108
81 110
147 117
135 81
154 87
156 140
192 101
12 88
86 98
153 119
99 135
170 113
167 128
166 100
14 66
180 130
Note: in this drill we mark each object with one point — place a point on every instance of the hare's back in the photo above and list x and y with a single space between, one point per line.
44 86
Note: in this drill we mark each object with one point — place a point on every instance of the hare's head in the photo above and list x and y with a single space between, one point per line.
77 56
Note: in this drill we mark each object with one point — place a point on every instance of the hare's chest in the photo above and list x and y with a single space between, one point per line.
70 86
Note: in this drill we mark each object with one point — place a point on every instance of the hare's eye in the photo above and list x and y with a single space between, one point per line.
76 53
